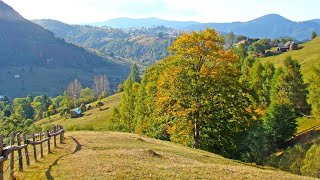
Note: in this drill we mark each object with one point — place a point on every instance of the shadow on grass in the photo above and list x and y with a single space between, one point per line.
78 148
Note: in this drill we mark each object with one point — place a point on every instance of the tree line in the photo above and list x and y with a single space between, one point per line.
21 113
219 99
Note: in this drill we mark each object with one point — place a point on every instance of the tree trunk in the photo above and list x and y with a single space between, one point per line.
196 134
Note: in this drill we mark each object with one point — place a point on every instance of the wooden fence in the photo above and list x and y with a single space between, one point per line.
17 142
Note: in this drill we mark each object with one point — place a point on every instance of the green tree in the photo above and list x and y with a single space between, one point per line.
229 40
134 74
314 91
87 95
289 80
22 108
241 38
280 123
257 48
313 35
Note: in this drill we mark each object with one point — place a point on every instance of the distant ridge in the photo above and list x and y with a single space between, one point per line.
143 22
268 26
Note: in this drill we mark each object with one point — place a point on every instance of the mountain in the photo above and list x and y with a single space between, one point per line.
316 21
32 60
143 22
268 26
143 46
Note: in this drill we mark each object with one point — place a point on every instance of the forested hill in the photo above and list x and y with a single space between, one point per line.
33 60
144 46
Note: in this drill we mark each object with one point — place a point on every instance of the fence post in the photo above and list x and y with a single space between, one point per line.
48 135
62 133
20 153
12 157
61 140
41 147
1 154
26 152
34 148
55 137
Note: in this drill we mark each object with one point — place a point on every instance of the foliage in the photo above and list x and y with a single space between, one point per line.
101 86
240 38
313 35
288 83
87 95
311 162
196 89
314 91
279 123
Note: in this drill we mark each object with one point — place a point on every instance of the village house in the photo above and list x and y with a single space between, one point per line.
289 46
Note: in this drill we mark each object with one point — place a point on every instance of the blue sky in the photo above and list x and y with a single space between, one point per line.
84 11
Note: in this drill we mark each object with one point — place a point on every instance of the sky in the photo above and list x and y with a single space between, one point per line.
88 11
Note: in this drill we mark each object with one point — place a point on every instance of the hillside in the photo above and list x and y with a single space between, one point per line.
112 155
308 57
144 46
33 60
268 26
94 120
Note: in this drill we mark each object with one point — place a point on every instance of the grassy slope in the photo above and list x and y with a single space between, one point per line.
94 119
111 155
122 155
308 57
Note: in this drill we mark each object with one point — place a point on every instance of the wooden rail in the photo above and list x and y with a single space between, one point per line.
8 152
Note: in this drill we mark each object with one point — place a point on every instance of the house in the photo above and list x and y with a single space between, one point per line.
76 113
245 42
289 46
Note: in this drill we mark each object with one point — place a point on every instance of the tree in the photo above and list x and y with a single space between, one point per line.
230 38
22 108
134 74
280 123
289 80
101 85
241 38
74 90
40 105
313 35
87 95
197 80
314 91
257 48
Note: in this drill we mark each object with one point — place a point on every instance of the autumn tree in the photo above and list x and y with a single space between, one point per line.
101 86
199 80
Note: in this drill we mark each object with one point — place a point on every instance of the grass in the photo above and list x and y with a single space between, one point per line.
308 57
112 155
94 120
